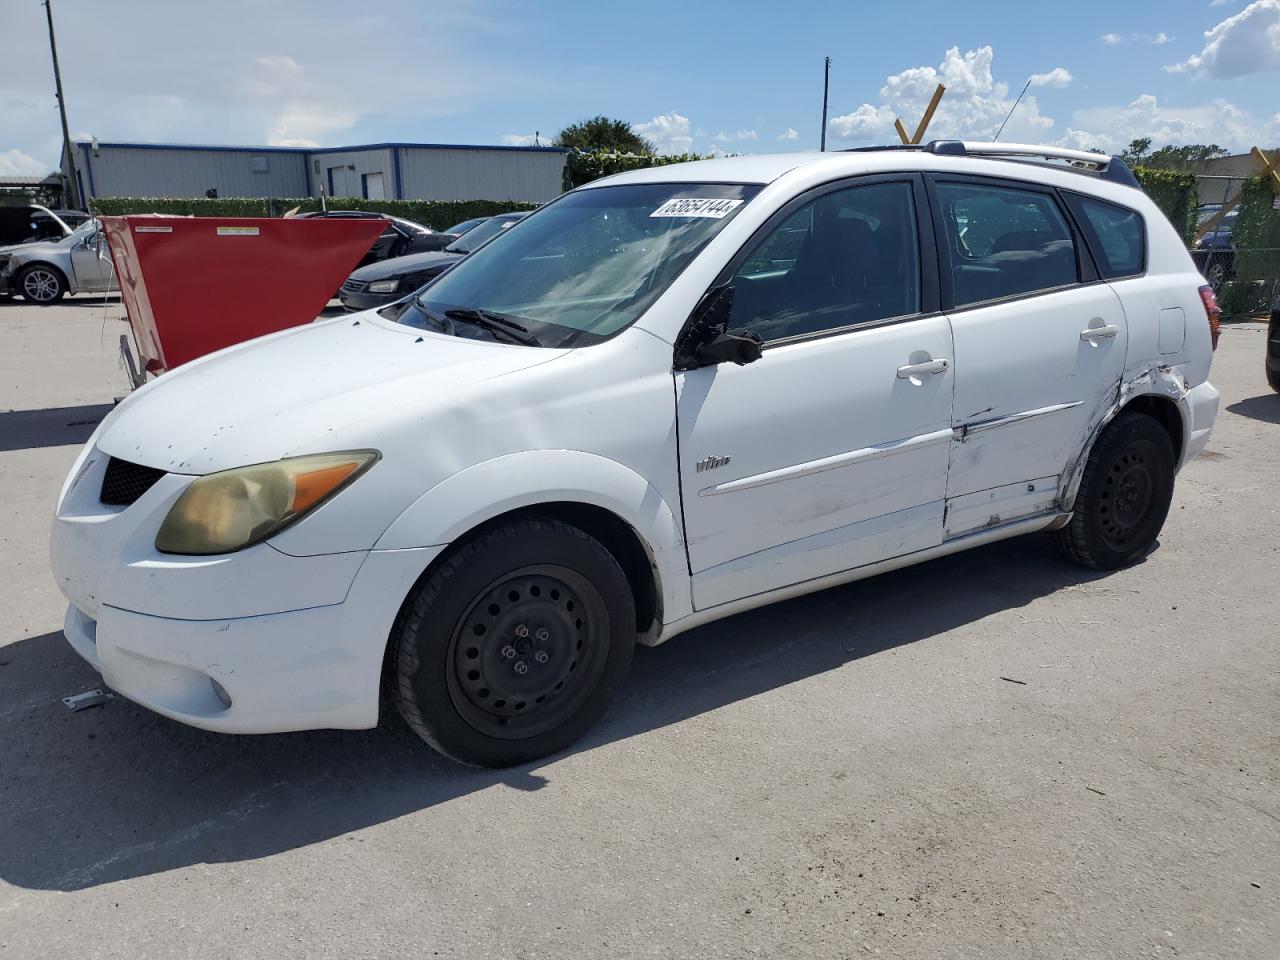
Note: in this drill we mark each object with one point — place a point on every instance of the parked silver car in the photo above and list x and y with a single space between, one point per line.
43 272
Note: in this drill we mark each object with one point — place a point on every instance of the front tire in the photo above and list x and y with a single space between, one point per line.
41 284
512 648
1124 494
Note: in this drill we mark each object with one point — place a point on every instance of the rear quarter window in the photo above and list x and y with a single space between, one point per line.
1116 235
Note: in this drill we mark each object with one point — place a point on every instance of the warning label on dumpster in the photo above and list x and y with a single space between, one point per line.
237 231
138 229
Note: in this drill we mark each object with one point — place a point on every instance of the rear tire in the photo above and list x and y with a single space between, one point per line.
1273 351
1124 494
513 647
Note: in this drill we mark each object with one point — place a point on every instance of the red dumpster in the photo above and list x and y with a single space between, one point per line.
192 285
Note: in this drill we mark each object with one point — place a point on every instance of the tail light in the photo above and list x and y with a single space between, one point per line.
1212 312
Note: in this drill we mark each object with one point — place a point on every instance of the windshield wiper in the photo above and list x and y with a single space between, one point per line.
497 322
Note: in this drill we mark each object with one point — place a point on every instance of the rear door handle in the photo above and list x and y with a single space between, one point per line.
1094 334
918 369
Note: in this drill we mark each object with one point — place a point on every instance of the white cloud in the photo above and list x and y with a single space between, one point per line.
973 108
789 134
1156 39
731 137
15 163
1057 77
1220 122
1247 42
520 139
668 132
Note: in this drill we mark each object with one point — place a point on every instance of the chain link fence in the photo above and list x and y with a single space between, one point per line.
1240 254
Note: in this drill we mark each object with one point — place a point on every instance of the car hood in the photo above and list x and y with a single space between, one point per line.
37 248
399 266
353 382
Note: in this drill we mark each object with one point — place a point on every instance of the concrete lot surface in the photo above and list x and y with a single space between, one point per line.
995 754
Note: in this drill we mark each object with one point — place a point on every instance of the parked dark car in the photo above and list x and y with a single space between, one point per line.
401 237
380 283
1215 253
32 222
465 225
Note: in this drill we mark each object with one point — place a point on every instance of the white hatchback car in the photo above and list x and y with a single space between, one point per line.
666 397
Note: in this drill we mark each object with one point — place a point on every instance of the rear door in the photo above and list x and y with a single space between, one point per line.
1040 345
830 452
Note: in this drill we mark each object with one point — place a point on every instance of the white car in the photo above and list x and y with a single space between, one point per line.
666 397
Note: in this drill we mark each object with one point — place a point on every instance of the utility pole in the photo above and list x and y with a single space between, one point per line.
73 186
826 85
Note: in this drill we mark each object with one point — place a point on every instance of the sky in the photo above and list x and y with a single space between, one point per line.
699 75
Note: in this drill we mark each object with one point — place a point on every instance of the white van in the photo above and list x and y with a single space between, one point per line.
666 397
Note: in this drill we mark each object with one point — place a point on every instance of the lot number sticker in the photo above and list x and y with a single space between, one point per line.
237 231
696 207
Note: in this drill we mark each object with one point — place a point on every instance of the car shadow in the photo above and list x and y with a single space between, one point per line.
1265 407
71 300
51 427
116 792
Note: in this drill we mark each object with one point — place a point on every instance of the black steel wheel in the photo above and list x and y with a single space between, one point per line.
1124 494
529 651
41 284
513 646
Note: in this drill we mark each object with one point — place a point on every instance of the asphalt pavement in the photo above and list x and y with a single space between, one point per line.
996 754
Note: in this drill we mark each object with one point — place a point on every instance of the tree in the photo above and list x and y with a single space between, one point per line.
1140 154
603 133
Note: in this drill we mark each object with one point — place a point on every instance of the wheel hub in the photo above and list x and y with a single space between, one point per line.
527 653
40 285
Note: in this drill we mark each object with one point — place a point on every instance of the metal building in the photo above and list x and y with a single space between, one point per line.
391 171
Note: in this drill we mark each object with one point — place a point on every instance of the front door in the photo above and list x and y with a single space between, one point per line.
91 263
830 452
1039 347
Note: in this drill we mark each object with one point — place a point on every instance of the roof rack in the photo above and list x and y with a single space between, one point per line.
1107 168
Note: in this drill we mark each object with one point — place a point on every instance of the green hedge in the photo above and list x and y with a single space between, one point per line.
1175 194
583 166
437 214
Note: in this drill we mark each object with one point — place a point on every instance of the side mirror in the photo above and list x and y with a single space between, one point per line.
706 340
739 348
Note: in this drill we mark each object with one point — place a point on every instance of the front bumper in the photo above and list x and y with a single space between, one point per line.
367 301
299 670
291 643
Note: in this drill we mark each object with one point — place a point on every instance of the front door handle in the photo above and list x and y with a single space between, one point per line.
913 370
1094 334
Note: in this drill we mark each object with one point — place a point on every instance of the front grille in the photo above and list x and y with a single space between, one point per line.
124 482
354 286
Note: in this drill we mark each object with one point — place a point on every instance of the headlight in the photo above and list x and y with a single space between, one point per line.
228 511
384 286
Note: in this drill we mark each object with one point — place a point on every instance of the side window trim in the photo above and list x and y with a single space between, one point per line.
928 253
1086 271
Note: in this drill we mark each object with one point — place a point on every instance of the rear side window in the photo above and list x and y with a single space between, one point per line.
1004 242
1117 236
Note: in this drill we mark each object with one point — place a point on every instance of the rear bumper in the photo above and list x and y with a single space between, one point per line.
304 669
1202 406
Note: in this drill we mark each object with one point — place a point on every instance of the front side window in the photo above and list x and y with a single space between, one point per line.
1004 242
1118 236
847 258
584 267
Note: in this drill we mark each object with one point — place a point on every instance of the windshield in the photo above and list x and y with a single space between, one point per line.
589 264
85 230
473 238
